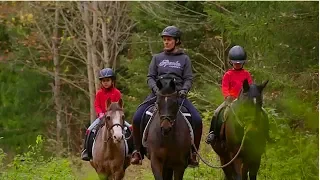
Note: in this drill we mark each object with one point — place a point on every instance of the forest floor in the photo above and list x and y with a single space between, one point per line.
86 172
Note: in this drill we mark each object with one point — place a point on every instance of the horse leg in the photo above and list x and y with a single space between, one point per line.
118 175
178 173
244 171
100 173
253 169
167 173
227 170
102 176
237 163
157 168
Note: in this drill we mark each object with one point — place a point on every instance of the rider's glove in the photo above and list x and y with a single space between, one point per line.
229 99
183 93
101 115
155 90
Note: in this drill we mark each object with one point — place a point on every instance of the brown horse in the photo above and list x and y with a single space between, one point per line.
109 151
168 139
242 137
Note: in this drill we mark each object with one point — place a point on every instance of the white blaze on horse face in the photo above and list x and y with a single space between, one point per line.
117 130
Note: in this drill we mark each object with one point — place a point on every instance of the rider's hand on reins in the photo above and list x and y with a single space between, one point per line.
229 100
183 93
155 90
101 115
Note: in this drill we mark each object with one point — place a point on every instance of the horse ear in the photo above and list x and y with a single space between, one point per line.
172 84
120 102
245 85
108 102
159 84
263 85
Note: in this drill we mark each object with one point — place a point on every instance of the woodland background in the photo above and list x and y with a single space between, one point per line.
51 52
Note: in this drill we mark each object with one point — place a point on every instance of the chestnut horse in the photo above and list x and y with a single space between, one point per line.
109 150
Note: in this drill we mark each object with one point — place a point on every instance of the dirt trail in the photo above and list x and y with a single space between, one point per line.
132 173
86 172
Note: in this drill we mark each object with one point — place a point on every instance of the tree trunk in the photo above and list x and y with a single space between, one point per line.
106 59
85 14
104 27
57 80
95 32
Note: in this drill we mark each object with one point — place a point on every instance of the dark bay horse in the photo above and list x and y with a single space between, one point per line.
242 136
109 151
168 139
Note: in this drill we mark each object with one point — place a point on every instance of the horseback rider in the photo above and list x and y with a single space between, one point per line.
108 91
231 86
175 63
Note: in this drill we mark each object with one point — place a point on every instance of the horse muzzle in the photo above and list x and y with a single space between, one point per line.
117 139
165 131
166 126
117 134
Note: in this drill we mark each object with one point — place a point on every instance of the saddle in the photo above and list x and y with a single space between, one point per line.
149 113
219 124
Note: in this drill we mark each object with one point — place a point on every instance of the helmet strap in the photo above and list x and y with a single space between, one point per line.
177 42
170 50
237 69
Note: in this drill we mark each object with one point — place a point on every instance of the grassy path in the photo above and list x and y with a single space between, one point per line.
203 172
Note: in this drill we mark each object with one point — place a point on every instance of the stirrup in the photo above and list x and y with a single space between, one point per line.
85 155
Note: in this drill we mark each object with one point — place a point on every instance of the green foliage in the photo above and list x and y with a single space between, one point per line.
294 156
281 40
32 165
22 105
272 29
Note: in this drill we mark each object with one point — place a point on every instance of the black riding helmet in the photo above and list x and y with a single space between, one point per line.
174 32
237 55
107 73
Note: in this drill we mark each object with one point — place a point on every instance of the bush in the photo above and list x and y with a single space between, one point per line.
32 165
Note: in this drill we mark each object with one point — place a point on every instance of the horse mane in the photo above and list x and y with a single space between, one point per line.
114 106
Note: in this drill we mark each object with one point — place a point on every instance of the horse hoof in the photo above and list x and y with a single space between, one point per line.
193 165
136 163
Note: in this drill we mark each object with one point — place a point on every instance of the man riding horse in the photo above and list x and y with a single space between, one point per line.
175 63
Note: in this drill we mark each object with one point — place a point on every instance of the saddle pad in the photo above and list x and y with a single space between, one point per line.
147 120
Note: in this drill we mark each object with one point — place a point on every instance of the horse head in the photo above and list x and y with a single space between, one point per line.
250 102
251 95
114 120
167 104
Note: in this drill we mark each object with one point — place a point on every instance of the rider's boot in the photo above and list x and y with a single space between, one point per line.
85 153
197 138
211 135
136 157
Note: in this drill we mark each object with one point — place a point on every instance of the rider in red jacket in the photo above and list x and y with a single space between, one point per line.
232 84
103 95
108 91
232 81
